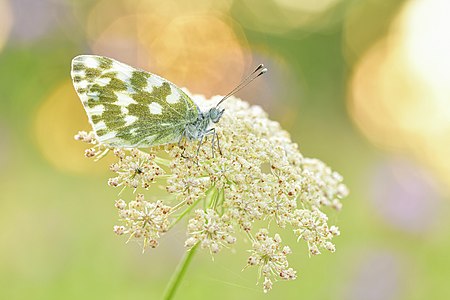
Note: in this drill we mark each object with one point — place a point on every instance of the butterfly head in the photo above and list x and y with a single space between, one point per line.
215 114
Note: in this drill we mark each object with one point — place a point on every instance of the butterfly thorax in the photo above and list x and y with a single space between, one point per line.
201 126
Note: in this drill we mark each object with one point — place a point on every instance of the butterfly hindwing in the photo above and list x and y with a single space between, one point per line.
128 107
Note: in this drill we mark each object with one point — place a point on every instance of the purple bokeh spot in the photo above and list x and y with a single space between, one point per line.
378 277
405 196
33 19
278 83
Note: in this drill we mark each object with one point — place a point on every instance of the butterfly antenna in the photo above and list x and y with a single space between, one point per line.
252 76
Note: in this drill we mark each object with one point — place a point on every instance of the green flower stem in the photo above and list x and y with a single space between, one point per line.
162 161
179 273
101 155
185 212
210 193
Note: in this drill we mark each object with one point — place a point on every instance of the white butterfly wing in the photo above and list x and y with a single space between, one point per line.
128 107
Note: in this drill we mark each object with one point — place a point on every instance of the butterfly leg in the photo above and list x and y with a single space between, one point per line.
214 134
183 135
216 137
200 144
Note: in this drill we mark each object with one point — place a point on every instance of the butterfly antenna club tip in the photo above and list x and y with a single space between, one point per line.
249 78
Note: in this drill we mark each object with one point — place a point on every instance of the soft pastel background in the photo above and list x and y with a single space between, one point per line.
363 85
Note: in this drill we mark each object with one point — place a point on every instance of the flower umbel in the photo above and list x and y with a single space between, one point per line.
143 220
268 254
260 176
210 229
134 168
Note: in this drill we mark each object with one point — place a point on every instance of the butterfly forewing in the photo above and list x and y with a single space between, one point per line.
128 107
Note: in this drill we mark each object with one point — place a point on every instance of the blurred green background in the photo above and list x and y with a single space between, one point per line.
362 85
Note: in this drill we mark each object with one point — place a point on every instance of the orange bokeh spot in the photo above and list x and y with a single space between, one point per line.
57 120
397 96
201 53
193 45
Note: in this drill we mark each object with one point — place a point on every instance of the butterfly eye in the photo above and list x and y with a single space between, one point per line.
215 114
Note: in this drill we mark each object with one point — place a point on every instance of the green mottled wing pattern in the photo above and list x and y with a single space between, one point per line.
128 107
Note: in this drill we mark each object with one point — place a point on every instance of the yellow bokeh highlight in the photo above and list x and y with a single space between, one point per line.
426 43
400 92
57 120
193 44
6 20
104 14
201 53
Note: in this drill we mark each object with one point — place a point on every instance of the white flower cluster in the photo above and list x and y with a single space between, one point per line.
134 168
143 220
210 230
260 176
312 227
268 254
89 138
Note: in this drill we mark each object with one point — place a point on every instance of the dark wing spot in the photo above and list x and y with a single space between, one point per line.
78 67
161 92
105 63
109 75
92 73
96 118
116 84
112 116
139 110
101 132
139 79
141 97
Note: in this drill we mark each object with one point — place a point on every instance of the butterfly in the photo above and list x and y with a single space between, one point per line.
132 108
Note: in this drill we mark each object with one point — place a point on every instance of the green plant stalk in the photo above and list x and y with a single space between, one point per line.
179 273
209 193
211 196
